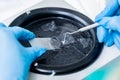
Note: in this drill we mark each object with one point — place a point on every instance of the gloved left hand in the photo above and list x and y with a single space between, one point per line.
15 60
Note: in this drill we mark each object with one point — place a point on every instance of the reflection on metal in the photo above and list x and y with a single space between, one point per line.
47 71
28 12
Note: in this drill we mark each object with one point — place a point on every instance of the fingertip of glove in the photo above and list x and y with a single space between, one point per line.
32 35
116 39
97 19
109 41
108 44
36 52
42 51
100 40
2 25
100 34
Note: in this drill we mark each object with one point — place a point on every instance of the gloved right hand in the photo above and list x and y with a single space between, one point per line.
112 30
109 31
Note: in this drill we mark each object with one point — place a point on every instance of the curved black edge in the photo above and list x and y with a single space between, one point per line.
73 15
26 18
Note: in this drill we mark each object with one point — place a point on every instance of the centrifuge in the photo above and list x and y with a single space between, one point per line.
75 58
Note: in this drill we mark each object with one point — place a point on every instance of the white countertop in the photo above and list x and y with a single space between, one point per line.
9 8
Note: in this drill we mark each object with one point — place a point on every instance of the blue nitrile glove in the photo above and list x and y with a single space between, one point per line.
104 33
112 26
15 60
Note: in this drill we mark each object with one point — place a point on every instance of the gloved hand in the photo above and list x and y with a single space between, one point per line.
109 31
15 60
